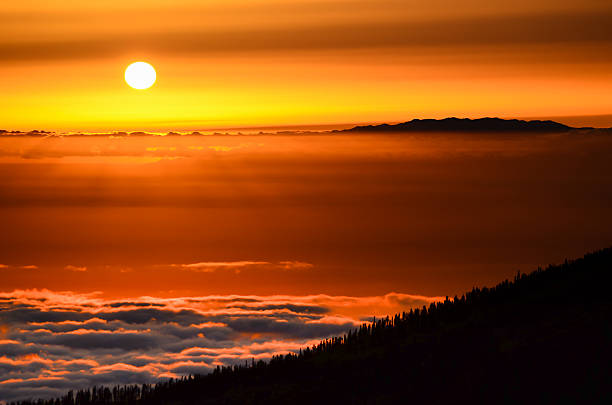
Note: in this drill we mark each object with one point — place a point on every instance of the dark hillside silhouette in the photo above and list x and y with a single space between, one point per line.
542 338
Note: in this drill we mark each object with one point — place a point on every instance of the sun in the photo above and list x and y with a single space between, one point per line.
140 75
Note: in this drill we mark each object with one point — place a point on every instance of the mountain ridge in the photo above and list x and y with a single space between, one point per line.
450 124
453 124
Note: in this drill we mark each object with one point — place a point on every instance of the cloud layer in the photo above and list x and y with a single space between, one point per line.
402 27
54 341
209 267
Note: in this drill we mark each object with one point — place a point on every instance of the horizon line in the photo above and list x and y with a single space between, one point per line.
293 128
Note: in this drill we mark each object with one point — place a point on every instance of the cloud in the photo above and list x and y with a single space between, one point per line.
209 267
290 265
55 341
25 267
160 148
220 148
458 32
75 268
228 148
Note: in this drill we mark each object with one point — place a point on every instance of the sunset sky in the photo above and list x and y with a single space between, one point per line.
128 257
237 63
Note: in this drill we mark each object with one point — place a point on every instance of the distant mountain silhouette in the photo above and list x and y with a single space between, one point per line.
466 125
543 338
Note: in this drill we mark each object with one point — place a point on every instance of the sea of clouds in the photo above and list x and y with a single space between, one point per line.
51 342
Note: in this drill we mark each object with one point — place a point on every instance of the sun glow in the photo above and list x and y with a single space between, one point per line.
140 75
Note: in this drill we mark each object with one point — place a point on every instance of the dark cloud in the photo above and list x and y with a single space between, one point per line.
92 341
309 309
545 28
193 369
68 327
10 316
15 349
134 304
141 316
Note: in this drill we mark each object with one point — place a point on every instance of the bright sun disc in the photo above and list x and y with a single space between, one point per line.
140 75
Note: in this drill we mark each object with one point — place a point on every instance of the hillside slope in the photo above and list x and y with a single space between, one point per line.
541 338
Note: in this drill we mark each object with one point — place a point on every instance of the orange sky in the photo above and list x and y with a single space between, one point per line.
130 258
334 214
250 63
